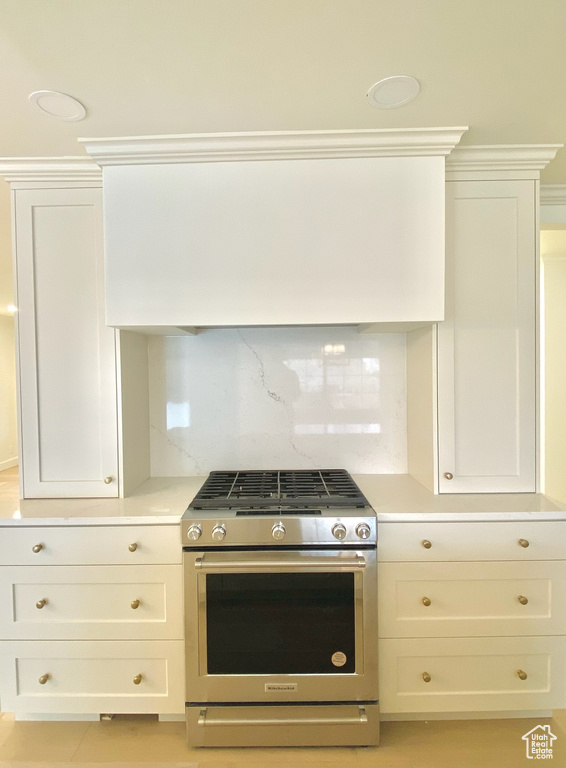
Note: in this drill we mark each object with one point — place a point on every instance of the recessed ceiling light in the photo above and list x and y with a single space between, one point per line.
58 104
392 92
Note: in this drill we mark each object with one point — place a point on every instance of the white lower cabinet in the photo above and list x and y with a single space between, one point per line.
104 636
86 677
464 628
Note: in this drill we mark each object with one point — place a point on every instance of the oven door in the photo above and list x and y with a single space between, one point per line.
281 626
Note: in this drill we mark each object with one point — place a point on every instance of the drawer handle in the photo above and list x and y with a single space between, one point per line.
426 677
137 679
522 675
41 603
37 548
426 544
523 543
523 600
448 475
108 479
133 547
135 604
43 679
426 601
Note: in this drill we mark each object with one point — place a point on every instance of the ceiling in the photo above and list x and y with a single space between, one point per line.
181 66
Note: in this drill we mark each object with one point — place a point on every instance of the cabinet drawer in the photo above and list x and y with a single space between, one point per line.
472 541
462 600
91 545
97 602
472 674
87 677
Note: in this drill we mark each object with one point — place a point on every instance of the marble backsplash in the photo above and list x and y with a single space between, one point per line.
278 398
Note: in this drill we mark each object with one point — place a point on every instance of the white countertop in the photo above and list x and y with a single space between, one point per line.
395 498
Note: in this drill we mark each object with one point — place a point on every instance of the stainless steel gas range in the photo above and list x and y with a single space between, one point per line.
281 610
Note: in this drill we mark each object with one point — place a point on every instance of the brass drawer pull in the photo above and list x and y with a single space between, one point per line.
522 675
426 601
137 679
523 543
426 677
37 548
41 603
108 479
448 475
135 604
133 547
523 600
426 544
43 679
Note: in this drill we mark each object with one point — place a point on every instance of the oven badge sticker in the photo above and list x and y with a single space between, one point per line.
339 659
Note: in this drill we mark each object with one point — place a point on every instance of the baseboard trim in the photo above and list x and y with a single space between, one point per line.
9 463
504 715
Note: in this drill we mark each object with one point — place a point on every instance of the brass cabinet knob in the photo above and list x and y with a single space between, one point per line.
523 543
37 548
133 547
448 475
108 479
43 679
522 675
137 679
426 544
426 677
523 600
426 601
41 603
135 604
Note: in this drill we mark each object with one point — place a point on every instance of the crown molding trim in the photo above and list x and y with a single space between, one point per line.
49 169
274 145
501 157
553 194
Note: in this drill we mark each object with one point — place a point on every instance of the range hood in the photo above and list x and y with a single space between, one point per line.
292 228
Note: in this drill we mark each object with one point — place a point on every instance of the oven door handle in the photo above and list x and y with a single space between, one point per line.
205 720
248 563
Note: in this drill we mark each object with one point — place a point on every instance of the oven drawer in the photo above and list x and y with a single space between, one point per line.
98 602
462 600
283 726
472 674
429 542
86 677
91 545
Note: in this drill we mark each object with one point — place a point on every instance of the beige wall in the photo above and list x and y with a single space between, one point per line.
553 251
8 425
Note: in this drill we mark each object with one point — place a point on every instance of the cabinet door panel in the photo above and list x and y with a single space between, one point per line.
67 354
486 345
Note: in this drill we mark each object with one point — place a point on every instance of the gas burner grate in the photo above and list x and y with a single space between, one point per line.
331 487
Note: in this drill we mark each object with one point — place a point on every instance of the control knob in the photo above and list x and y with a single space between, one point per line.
278 531
339 531
194 532
363 530
218 532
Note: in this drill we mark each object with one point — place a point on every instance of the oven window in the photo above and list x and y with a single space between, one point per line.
265 624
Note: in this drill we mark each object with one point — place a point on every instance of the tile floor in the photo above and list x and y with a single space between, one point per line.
131 740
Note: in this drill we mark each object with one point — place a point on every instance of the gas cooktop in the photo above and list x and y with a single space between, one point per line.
279 488
254 508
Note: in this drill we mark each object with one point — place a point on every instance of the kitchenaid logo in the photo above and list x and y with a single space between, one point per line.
539 743
280 687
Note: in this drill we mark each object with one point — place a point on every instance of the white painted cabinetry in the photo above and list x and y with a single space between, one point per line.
464 626
95 625
67 358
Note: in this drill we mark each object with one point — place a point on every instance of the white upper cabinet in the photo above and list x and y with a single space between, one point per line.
486 345
282 229
67 362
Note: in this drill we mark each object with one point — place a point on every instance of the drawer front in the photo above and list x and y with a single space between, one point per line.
87 677
472 674
91 545
429 542
96 602
464 600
